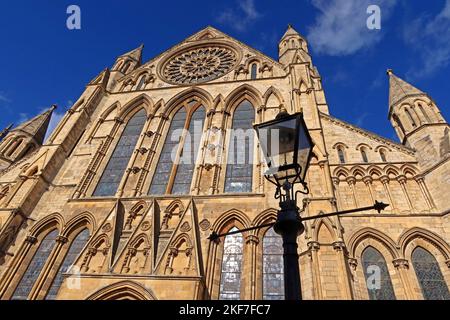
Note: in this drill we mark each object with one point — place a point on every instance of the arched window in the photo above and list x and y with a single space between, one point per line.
273 269
399 123
341 155
14 147
429 275
230 281
175 175
254 71
188 154
374 265
126 67
364 155
239 173
410 117
115 169
424 113
141 83
25 285
383 155
75 249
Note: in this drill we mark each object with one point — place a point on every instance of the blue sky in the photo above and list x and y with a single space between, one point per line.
42 62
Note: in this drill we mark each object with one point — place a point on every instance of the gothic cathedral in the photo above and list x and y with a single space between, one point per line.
99 210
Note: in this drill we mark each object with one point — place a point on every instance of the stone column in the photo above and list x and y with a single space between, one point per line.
340 249
351 182
402 181
402 267
314 248
426 194
252 242
385 181
368 181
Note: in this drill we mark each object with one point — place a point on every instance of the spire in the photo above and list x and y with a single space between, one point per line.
5 131
37 127
135 54
399 89
291 32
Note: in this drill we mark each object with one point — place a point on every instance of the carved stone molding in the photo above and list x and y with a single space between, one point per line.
251 239
313 246
31 239
339 246
62 239
401 263
205 224
185 227
353 263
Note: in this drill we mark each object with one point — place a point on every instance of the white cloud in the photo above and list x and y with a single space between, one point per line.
430 36
242 17
341 27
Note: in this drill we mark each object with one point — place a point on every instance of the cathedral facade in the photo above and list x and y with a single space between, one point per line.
100 210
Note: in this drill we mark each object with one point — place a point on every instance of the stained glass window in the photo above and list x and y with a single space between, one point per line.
429 275
273 269
118 163
374 265
254 71
35 267
164 167
75 249
230 282
188 156
239 173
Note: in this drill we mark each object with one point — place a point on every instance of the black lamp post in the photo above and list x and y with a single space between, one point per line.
287 147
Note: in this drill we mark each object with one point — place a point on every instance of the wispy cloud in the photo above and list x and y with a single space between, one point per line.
22 117
4 98
362 118
341 26
241 17
429 36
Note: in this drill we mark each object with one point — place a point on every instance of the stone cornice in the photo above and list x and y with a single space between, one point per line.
368 134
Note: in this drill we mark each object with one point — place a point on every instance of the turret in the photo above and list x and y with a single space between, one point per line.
417 121
293 48
24 139
129 61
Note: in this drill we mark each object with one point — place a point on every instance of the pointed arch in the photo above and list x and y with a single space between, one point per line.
124 290
54 220
136 104
265 216
361 235
229 219
358 171
373 170
408 169
435 240
179 240
112 111
338 172
84 219
137 240
99 240
174 204
205 98
273 91
320 223
390 169
241 93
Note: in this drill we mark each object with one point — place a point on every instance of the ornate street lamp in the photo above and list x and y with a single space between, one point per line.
287 148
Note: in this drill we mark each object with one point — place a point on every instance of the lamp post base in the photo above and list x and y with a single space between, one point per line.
289 227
